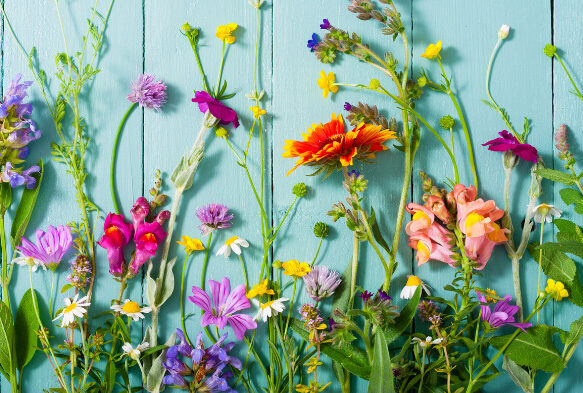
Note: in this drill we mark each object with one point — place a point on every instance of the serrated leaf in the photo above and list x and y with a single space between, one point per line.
567 226
575 289
575 332
555 264
556 176
405 317
25 208
570 196
381 373
567 246
26 324
519 376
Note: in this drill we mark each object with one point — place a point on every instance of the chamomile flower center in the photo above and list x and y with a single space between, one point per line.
70 308
131 307
268 304
413 281
231 240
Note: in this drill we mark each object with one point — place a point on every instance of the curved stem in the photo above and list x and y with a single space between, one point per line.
291 305
577 91
553 378
182 319
205 262
244 272
317 252
540 259
114 156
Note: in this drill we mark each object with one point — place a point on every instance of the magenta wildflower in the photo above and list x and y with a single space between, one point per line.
50 248
313 43
321 282
224 305
503 313
117 234
507 141
216 108
365 296
325 25
147 92
213 216
147 238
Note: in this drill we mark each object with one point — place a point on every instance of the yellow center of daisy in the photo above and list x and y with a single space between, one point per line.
413 281
268 304
419 215
231 240
131 307
70 308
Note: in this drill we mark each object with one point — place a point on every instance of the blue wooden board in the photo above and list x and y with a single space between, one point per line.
144 36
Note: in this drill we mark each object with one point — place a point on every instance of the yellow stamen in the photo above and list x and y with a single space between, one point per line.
131 307
231 240
70 308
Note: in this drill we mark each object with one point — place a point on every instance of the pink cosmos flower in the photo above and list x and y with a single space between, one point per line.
50 248
507 141
219 110
224 305
117 234
503 313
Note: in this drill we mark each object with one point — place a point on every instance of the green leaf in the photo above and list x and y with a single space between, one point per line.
381 374
534 349
26 324
157 370
570 196
376 232
519 376
575 289
568 227
342 293
7 356
576 331
568 247
165 285
405 317
556 176
555 264
25 208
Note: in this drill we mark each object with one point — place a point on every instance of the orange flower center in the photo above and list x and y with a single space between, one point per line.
131 307
70 308
413 281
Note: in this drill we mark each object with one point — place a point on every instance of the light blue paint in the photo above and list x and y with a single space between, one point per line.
145 36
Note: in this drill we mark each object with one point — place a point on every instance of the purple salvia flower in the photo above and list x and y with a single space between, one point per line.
213 216
347 106
147 92
503 313
16 179
224 305
507 142
80 272
325 25
313 43
50 247
321 282
13 100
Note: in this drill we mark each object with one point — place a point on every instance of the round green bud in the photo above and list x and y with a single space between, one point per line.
321 229
446 122
374 84
300 190
422 81
277 264
221 132
550 50
186 27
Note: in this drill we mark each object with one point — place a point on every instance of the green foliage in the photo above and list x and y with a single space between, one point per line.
7 354
25 208
557 176
403 321
381 375
26 324
519 376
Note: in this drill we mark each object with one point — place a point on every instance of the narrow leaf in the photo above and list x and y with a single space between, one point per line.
405 317
381 374
25 208
26 324
519 376
7 357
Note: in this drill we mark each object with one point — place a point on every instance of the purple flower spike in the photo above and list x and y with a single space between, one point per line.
10 175
50 247
325 25
213 216
321 282
509 142
347 106
365 296
216 108
313 42
503 313
147 92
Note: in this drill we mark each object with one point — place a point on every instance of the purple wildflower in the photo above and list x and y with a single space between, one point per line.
313 42
321 282
509 142
213 216
14 98
80 272
365 296
384 296
50 247
331 323
10 175
347 106
216 108
224 306
426 309
503 313
147 92
325 25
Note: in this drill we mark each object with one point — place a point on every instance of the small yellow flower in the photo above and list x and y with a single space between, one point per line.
556 290
374 84
260 289
312 364
326 83
257 111
295 269
432 51
225 32
190 244
490 292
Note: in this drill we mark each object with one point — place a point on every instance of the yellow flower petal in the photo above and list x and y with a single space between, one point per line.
432 51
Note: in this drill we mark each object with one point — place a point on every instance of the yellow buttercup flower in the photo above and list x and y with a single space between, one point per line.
225 32
295 269
556 290
190 244
326 83
257 111
260 289
432 51
312 364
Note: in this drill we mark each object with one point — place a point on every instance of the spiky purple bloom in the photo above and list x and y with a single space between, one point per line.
325 25
507 141
313 42
365 296
51 246
321 282
331 323
205 368
147 92
80 272
10 175
347 106
212 217
224 305
503 313
217 109
384 296
426 308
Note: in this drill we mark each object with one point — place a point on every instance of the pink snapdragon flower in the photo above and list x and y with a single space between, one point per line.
148 235
117 234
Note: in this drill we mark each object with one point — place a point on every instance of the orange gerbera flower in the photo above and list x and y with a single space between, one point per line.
328 147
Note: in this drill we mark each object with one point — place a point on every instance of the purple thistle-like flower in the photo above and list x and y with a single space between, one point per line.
212 217
147 92
321 282
384 296
313 42
347 106
325 25
503 313
507 141
50 247
80 272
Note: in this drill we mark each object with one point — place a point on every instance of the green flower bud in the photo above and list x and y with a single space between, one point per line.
446 122
321 229
277 264
221 132
422 81
374 84
550 50
300 190
186 27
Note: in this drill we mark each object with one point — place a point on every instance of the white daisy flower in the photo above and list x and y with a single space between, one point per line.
29 262
131 309
235 243
73 308
546 212
134 353
269 309
411 286
424 344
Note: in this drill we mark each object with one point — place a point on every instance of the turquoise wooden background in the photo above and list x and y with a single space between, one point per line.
143 36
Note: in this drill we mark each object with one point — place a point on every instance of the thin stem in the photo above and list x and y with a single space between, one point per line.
354 270
205 85
218 86
182 319
286 358
205 262
422 370
244 271
317 252
577 92
291 305
540 259
52 289
114 156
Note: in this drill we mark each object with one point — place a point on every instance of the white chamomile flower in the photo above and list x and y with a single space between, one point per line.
546 212
503 32
29 262
74 307
269 309
134 353
131 309
235 243
411 286
425 344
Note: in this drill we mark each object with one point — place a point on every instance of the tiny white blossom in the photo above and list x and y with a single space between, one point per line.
74 307
503 32
424 344
545 212
134 353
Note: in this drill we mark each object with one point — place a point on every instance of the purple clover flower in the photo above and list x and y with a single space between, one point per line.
217 109
313 42
503 313
507 141
212 217
325 25
50 248
147 92
321 282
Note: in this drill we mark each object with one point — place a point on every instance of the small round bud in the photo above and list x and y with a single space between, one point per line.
503 32
422 81
374 84
321 229
550 50
153 191
277 264
300 190
186 27
446 122
221 132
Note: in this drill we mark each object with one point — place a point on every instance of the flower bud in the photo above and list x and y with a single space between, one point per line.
221 132
374 84
550 50
509 160
184 172
321 229
446 122
437 206
535 189
300 190
503 32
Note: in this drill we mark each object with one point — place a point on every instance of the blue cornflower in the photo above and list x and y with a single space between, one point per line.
313 42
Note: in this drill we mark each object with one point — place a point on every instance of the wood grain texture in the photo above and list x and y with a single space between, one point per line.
144 36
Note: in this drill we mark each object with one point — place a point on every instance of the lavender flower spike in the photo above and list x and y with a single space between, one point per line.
50 247
503 313
213 216
147 92
321 282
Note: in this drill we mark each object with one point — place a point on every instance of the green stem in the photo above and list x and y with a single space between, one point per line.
205 85
422 370
52 289
220 71
540 259
114 156
205 262
578 93
291 305
244 272
317 252
553 378
577 181
354 270
468 138
286 358
182 319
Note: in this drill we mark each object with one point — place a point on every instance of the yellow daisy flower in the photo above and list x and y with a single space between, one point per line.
556 290
190 244
326 83
295 269
225 32
257 111
432 51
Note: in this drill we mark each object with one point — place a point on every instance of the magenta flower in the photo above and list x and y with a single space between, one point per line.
50 247
140 211
117 234
224 306
219 110
509 142
503 313
147 238
147 92
213 216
